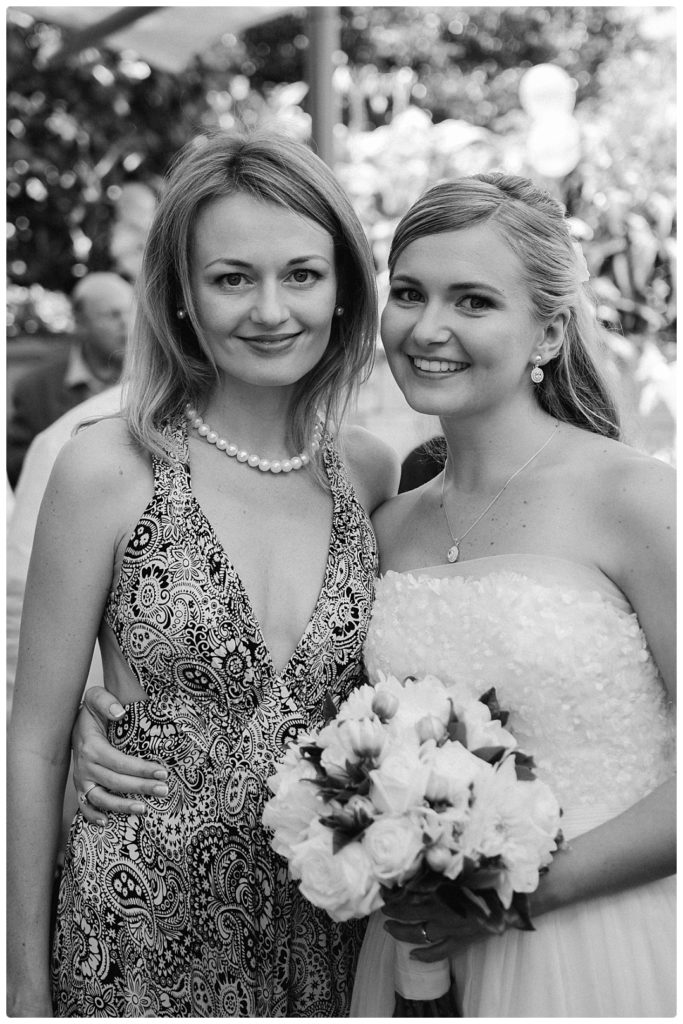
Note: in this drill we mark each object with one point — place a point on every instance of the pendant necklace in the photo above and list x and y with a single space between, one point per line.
454 551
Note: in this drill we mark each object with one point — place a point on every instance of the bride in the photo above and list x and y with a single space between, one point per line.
541 562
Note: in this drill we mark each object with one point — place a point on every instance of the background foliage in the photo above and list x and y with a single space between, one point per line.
424 92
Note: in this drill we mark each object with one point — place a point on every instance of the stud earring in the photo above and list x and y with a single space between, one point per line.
537 373
338 310
181 314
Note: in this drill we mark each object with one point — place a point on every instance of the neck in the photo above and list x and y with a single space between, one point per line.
258 417
484 450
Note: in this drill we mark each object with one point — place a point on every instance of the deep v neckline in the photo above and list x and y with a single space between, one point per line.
235 575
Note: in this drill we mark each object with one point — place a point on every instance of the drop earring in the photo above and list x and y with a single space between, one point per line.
537 373
338 310
181 314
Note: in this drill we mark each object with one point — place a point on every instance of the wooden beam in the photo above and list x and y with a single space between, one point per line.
324 36
96 34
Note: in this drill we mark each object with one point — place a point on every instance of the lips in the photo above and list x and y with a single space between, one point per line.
268 339
438 366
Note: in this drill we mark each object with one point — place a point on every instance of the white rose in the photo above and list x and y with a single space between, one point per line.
400 781
452 770
294 806
340 883
481 731
442 832
336 741
395 846
503 823
420 697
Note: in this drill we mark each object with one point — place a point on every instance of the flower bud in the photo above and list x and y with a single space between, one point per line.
385 705
362 809
429 728
365 736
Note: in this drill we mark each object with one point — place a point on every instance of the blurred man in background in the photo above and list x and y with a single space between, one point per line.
102 305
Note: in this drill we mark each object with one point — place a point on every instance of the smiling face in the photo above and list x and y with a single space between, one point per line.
264 286
458 328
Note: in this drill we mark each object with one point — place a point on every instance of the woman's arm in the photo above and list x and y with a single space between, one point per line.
96 763
636 847
69 578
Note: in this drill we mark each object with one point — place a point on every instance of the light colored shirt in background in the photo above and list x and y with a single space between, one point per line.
23 508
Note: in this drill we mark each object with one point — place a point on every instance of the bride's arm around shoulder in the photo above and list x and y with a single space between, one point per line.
373 465
639 501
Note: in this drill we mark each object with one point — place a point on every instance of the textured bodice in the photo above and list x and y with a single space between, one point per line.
565 653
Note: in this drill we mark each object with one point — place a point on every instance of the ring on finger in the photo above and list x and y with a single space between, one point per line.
83 797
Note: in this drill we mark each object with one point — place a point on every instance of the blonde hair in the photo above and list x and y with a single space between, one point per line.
534 226
166 365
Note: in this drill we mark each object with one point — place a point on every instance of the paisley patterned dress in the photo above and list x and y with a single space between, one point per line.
186 911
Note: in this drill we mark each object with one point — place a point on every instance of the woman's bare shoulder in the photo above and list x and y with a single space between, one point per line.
624 479
373 465
102 462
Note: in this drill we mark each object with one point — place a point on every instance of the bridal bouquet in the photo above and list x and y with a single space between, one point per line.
409 788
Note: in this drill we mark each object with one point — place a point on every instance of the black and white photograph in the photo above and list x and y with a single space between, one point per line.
341 511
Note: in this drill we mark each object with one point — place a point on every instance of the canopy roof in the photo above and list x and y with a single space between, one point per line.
165 37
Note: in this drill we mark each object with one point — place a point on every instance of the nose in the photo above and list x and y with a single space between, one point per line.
269 308
432 326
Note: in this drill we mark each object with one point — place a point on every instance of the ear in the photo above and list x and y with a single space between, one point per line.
553 336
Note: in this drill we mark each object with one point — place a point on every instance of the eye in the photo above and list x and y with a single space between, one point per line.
231 280
304 275
475 303
403 293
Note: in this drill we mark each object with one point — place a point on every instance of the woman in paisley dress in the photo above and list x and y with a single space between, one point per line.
541 562
215 541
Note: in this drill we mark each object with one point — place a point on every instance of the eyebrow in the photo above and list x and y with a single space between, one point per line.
248 266
459 286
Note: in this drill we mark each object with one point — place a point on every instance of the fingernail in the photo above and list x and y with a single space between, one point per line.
116 710
162 774
138 809
160 790
101 821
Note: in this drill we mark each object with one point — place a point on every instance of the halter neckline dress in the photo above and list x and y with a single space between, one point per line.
187 911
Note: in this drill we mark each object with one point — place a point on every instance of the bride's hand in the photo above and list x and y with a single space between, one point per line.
100 772
426 922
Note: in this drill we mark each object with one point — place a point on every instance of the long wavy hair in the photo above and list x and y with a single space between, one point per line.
534 226
166 366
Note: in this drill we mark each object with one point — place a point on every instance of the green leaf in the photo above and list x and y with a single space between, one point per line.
490 754
491 701
329 707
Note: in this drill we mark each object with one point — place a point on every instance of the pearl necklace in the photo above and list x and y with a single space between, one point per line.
454 551
253 460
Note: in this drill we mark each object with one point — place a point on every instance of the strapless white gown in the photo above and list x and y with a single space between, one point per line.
568 659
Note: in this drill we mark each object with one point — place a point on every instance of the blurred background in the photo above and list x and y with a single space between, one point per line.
582 99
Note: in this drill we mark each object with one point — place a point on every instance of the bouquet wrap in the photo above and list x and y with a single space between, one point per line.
416 980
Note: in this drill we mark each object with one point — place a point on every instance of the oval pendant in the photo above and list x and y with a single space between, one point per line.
453 553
